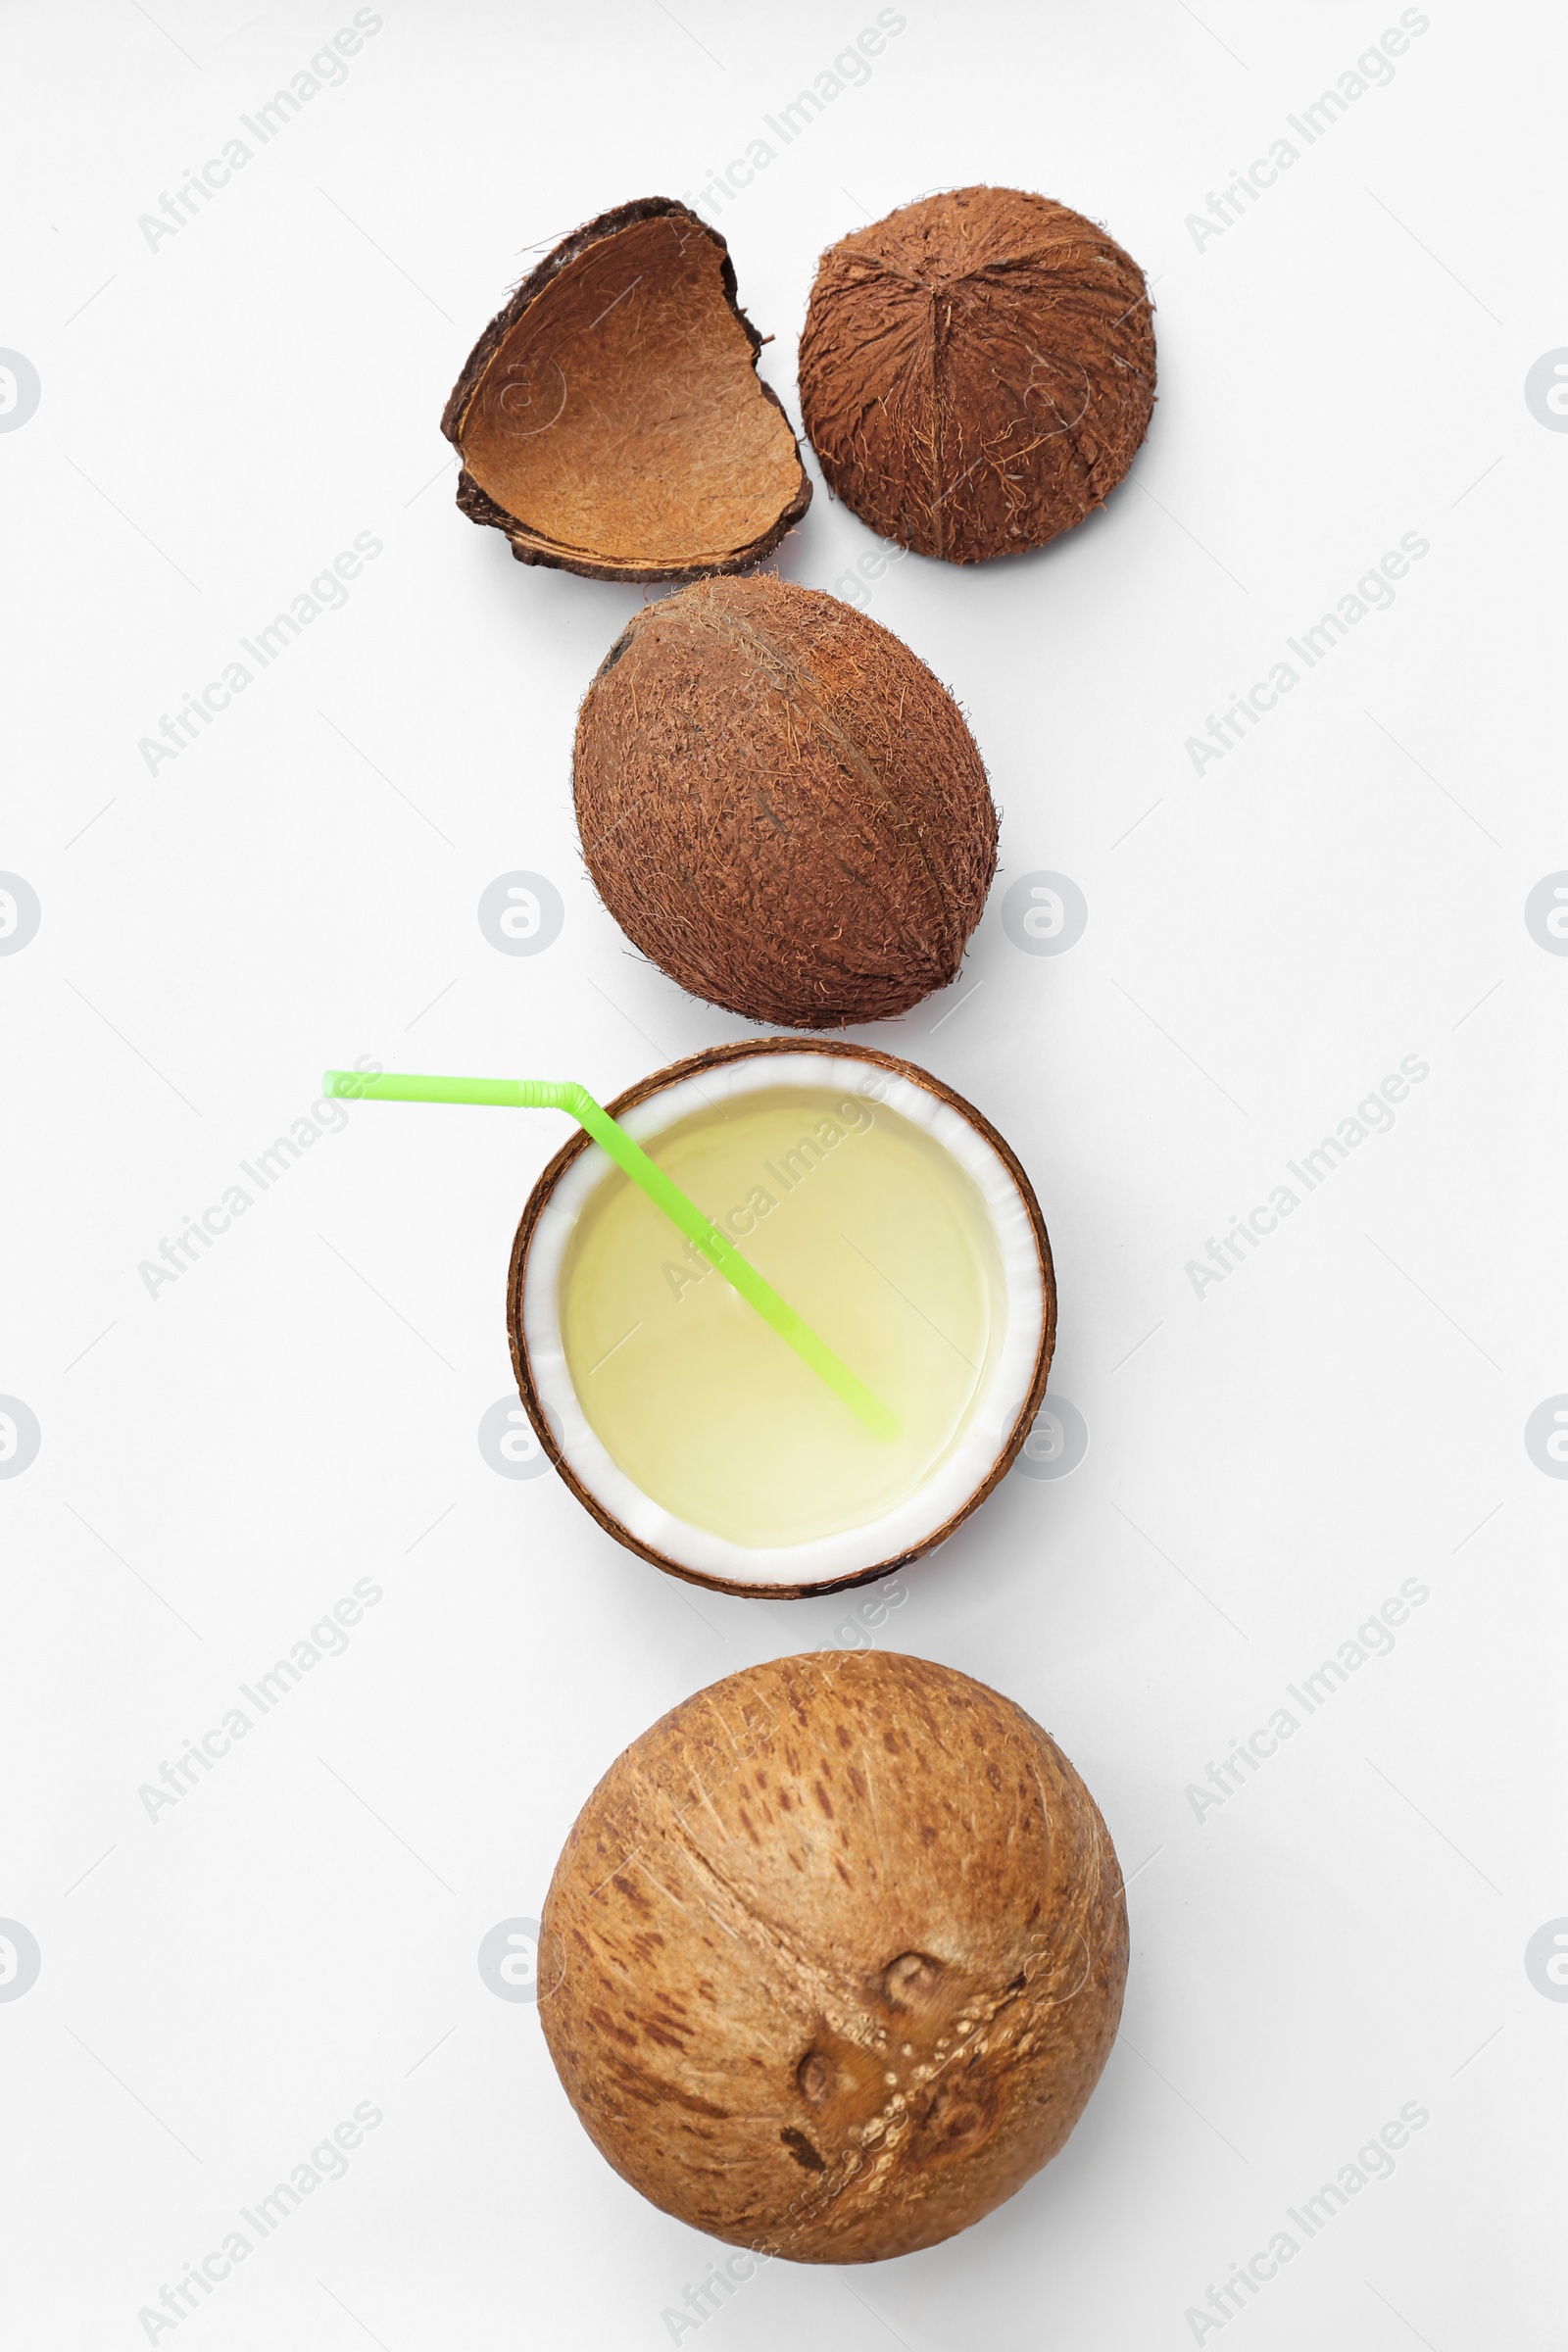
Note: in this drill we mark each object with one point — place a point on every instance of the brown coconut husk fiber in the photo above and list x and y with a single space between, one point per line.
977 371
834 1956
781 807
660 1081
611 419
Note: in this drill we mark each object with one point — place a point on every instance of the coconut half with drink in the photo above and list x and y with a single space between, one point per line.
890 1213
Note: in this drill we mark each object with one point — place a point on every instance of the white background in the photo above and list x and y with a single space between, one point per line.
221 414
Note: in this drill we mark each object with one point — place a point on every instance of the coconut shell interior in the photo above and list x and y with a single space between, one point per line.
781 807
611 419
977 370
834 1956
694 1066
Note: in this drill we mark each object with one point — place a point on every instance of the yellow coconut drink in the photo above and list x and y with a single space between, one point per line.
890 1215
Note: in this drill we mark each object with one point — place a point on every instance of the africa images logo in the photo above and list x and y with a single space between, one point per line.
508 1442
20 391
1057 1441
1044 913
1547 1437
1546 391
19 1960
518 1962
1546 911
521 914
1546 1959
20 910
20 1437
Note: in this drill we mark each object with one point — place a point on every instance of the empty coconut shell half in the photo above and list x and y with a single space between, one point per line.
611 419
890 1216
781 807
977 371
834 1957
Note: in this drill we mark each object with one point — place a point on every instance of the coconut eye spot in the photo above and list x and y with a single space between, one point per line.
910 1981
801 2148
815 2076
961 2115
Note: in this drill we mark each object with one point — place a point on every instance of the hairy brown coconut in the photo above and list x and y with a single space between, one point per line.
611 419
838 1951
977 371
781 807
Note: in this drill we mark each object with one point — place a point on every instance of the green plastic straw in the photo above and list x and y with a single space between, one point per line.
547 1094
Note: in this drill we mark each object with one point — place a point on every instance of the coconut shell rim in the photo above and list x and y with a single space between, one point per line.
478 503
693 1065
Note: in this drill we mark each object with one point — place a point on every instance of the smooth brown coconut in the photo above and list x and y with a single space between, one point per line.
977 371
611 419
838 1951
781 807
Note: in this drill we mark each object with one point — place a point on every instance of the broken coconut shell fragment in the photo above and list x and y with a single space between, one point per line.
781 807
836 1954
977 371
611 419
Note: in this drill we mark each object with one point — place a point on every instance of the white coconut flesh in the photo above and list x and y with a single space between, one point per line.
888 1220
